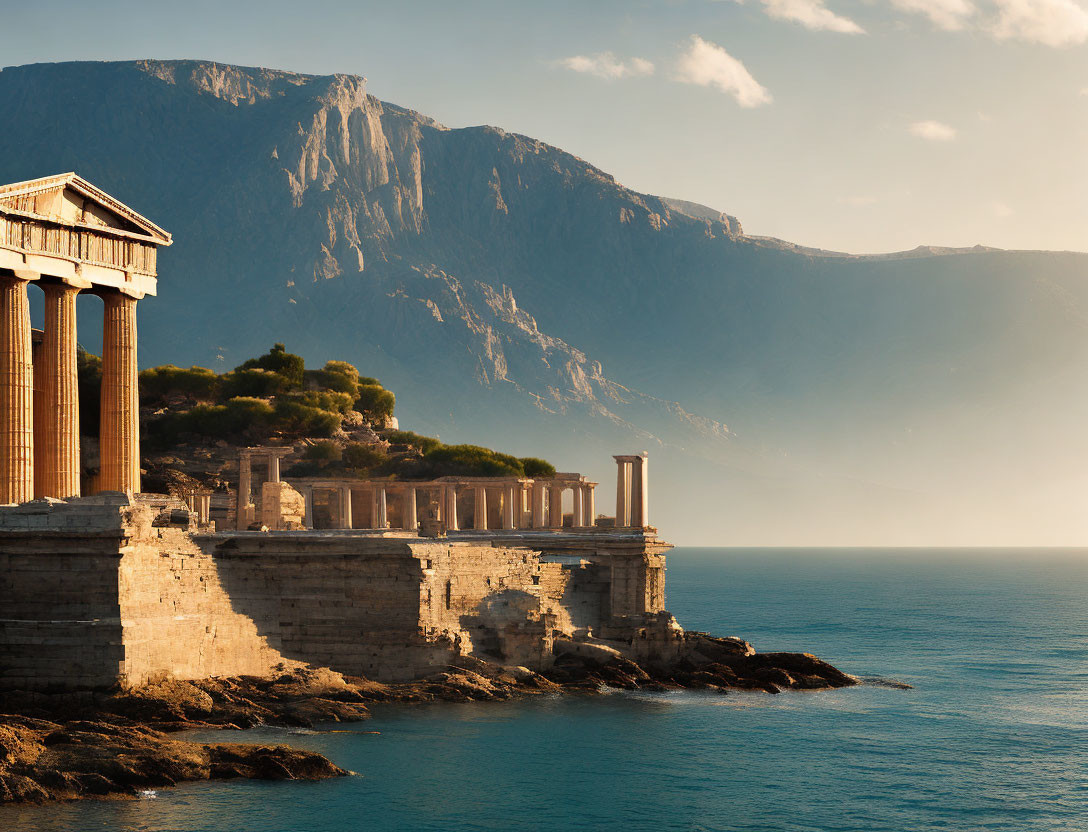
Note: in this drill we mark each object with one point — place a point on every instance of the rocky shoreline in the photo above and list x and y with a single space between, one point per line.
66 746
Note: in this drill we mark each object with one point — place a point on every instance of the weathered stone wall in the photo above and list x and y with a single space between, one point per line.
100 590
92 594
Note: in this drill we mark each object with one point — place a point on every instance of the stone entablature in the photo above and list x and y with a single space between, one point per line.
67 236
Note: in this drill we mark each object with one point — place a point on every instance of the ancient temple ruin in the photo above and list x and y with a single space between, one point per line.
390 580
67 237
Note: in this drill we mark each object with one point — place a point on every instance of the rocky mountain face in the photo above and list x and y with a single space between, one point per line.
516 296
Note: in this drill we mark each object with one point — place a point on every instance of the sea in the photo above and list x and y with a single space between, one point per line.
993 735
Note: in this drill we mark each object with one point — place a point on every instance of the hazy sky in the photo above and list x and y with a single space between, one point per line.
861 125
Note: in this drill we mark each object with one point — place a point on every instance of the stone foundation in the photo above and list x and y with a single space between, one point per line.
100 591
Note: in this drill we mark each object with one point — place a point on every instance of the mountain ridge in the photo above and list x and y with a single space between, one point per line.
514 293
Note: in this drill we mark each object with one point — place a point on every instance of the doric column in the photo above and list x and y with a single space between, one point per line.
119 438
640 481
578 519
204 507
555 507
588 505
451 508
308 499
623 511
508 506
538 505
408 509
16 393
56 410
480 521
273 468
345 507
381 508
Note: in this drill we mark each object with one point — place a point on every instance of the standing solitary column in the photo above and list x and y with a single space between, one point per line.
589 506
119 437
56 416
480 521
578 514
345 507
623 511
555 507
273 468
381 509
16 394
640 480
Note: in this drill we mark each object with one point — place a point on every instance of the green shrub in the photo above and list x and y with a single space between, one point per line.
325 400
362 457
407 437
471 461
375 402
293 417
278 360
535 467
252 382
158 383
326 451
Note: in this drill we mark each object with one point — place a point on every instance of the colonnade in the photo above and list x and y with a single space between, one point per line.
39 394
495 503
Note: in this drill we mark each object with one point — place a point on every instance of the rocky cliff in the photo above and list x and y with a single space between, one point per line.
515 294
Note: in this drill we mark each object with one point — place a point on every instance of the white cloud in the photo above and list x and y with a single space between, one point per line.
708 65
949 15
812 14
933 131
607 65
1049 22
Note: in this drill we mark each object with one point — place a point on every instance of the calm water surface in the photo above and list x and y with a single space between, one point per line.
993 737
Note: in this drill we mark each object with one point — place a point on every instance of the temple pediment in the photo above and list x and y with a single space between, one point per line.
69 199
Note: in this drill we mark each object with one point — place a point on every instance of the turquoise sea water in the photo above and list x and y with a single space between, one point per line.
993 737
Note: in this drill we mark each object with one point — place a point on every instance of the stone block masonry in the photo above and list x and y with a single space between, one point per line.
110 590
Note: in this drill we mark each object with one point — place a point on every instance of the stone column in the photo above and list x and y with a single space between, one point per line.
16 393
56 412
555 507
623 511
273 468
119 438
345 507
381 508
204 507
538 505
308 499
408 509
589 507
578 519
245 486
451 508
508 506
640 481
480 521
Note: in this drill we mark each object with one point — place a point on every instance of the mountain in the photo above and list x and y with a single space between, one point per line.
519 297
